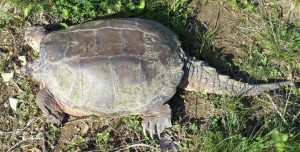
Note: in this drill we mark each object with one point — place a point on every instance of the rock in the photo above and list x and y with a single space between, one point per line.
7 76
36 149
6 105
85 129
13 102
39 135
23 59
18 71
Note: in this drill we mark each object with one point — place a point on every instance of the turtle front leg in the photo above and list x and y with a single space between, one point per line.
49 106
157 121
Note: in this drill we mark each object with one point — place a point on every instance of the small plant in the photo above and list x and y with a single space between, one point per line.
238 129
52 128
77 11
275 41
280 140
102 137
27 108
79 142
173 14
133 121
105 141
243 5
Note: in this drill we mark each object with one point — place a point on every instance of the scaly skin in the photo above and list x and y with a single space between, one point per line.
205 79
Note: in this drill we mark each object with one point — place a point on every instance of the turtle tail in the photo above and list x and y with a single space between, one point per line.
205 79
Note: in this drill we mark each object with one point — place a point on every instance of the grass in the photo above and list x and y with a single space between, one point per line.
268 122
240 127
239 130
276 41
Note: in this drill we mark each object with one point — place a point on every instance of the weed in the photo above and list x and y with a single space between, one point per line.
104 141
52 128
102 137
297 2
78 142
232 131
133 121
281 141
79 11
246 5
276 41
238 128
5 15
173 14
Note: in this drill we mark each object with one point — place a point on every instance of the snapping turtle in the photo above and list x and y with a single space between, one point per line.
118 67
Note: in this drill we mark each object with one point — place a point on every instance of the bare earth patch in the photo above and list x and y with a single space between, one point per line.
230 25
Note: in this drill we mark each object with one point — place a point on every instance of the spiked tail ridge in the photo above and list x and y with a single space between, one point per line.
260 88
205 79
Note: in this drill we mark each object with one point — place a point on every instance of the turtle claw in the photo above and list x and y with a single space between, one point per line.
144 129
155 122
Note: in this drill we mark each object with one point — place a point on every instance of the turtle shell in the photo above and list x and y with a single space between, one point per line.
116 66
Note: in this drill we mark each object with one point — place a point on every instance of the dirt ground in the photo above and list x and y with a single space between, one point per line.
27 131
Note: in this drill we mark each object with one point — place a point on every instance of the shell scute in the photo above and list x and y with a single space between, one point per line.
58 48
110 41
81 43
134 42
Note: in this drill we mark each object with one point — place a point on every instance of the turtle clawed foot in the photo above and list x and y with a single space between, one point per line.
155 125
50 107
157 121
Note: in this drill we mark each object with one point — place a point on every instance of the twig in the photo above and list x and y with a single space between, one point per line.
79 120
276 108
3 132
295 117
287 101
136 145
44 140
28 124
17 144
20 91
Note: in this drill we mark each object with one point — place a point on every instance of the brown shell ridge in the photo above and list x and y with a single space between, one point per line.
157 26
170 36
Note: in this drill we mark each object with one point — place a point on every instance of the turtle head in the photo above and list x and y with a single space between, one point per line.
34 35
